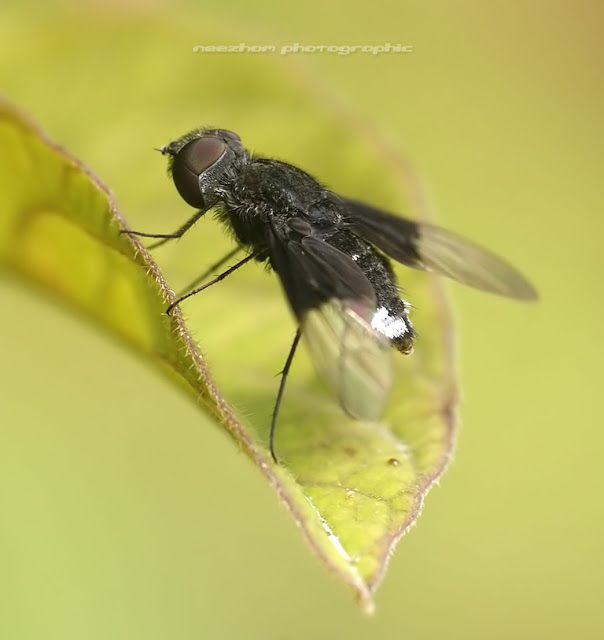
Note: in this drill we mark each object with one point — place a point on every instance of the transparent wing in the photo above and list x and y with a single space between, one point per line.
444 252
351 357
428 247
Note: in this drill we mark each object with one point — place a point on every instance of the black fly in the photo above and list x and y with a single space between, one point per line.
330 255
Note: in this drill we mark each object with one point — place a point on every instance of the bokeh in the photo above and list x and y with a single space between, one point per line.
124 514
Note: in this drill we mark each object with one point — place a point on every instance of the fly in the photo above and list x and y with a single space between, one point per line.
331 255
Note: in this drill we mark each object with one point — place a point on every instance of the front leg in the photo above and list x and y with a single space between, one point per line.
165 237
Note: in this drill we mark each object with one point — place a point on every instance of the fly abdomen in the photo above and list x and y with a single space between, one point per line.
391 317
393 322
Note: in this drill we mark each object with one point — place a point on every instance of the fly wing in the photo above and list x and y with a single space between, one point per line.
352 358
334 304
428 247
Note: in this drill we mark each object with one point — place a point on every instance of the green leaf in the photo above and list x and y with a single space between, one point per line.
352 488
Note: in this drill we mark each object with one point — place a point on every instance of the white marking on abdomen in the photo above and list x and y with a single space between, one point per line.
390 326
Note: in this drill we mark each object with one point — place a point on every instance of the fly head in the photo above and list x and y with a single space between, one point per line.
201 160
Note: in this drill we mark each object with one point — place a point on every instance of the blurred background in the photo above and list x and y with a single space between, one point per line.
124 515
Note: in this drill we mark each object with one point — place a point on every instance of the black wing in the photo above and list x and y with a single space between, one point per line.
334 303
428 247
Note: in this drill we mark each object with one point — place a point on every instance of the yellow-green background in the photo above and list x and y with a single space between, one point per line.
124 515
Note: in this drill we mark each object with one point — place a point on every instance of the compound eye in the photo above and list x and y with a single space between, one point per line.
190 162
